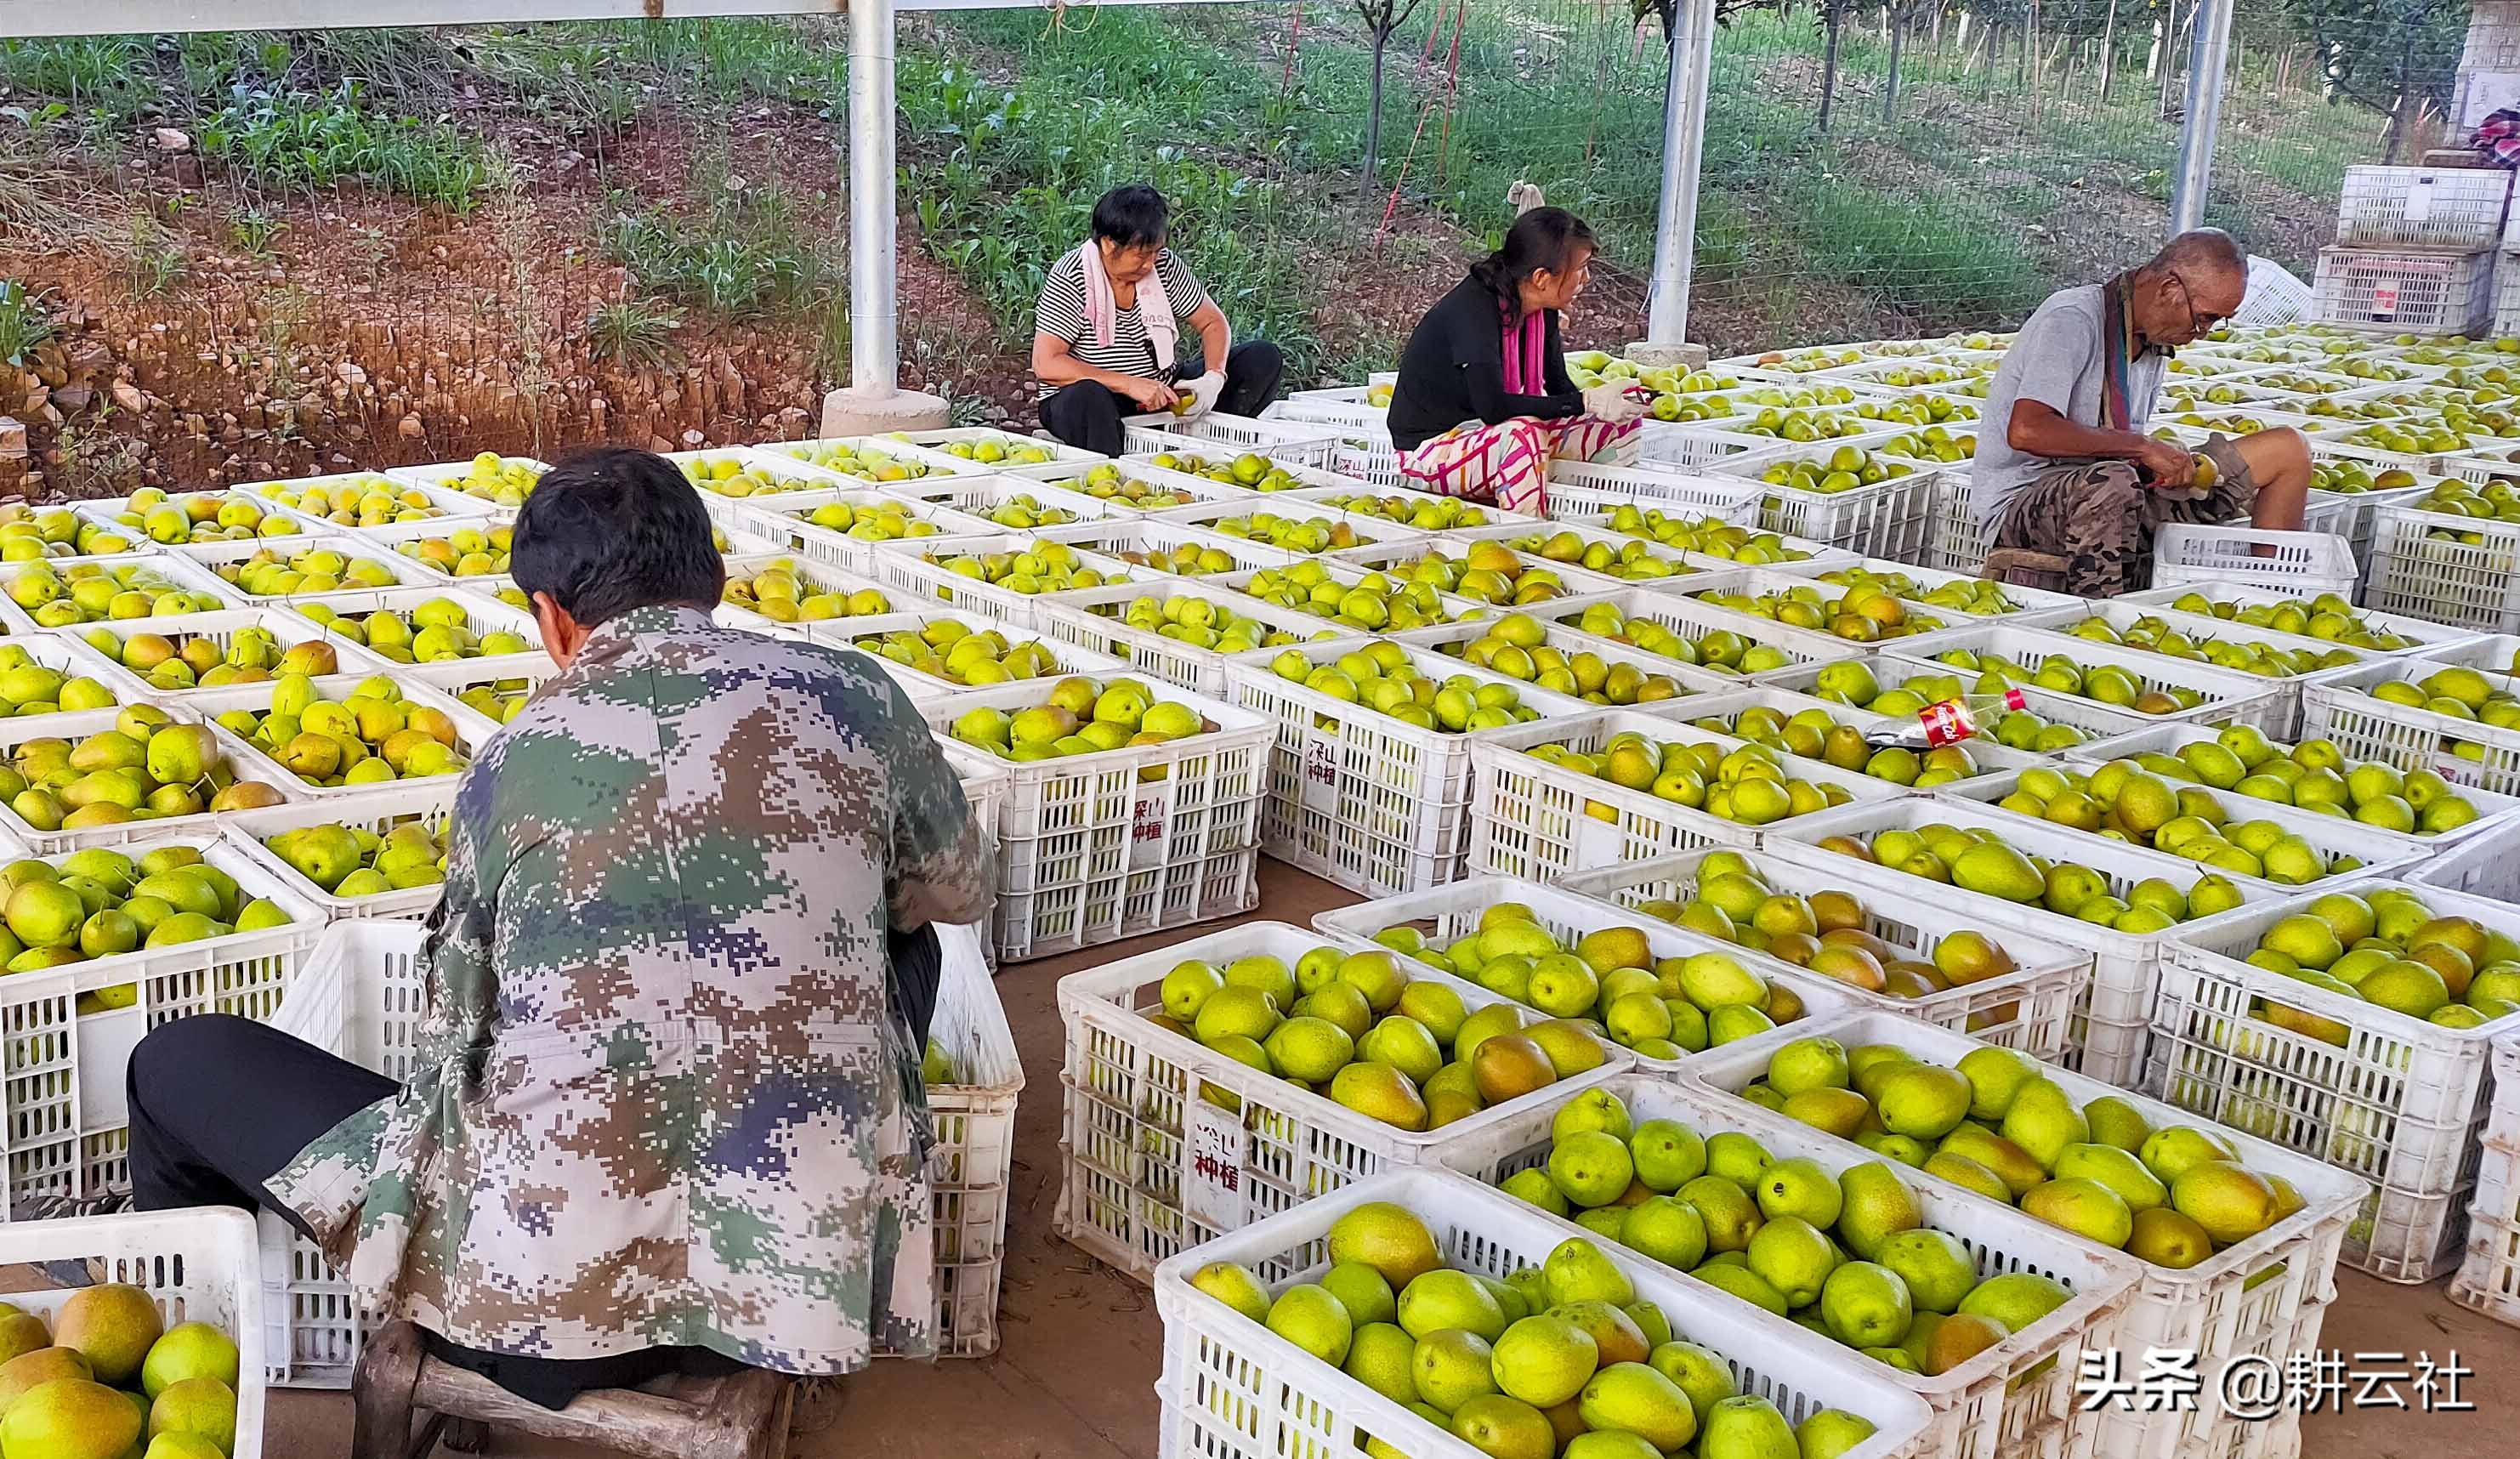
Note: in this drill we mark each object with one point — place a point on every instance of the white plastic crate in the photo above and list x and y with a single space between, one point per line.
443 480
1064 484
2290 561
2422 207
1362 446
2248 1300
1130 1195
813 577
1587 492
1929 576
67 653
198 1265
786 517
472 729
1692 620
1695 684
119 514
2412 737
247 762
906 568
1533 535
367 547
1290 441
1890 518
2031 1008
446 504
939 442
1233 1389
2493 811
456 676
2428 635
1368 531
799 455
1360 798
1789 692
2017 1397
2126 967
2400 1104
362 997
1095 848
2441 578
1452 911
1691 445
2489 1278
176 571
221 627
1761 582
2230 696
2405 290
981 496
2380 852
2097 721
67 1135
385 544
378 808
1532 818
1093 619
844 633
2027 1009
483 615
2507 295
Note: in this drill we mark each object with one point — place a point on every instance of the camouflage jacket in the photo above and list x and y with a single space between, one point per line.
660 1096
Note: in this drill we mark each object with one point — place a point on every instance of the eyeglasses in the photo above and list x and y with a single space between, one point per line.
2197 324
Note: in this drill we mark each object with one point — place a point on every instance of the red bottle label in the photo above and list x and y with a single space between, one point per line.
1946 724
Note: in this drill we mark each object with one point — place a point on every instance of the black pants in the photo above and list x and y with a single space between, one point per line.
1088 414
220 1105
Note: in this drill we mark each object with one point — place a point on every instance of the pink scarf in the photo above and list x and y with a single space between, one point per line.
1103 311
1523 375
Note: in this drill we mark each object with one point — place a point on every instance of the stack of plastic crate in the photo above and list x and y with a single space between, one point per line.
2414 250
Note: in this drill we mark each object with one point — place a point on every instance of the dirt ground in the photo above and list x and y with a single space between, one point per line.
1075 1373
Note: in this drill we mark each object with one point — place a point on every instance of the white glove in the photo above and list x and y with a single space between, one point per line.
1203 392
1611 403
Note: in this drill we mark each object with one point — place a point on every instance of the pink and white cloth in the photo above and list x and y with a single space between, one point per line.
1102 308
1507 465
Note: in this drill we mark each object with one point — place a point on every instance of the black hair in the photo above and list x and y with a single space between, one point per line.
1547 238
1134 216
612 529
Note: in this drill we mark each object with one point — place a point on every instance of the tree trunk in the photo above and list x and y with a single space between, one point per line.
1890 83
1373 114
1835 19
2108 51
2397 136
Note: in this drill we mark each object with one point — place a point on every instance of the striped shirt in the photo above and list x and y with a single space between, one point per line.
1062 313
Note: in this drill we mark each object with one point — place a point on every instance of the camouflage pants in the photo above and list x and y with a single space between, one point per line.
2099 517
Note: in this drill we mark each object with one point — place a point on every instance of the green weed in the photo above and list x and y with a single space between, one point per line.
295 141
25 322
634 333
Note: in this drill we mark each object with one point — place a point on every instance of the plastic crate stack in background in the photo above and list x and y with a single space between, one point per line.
2398 1102
2405 289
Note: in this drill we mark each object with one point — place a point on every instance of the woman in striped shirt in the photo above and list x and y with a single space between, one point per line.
1107 331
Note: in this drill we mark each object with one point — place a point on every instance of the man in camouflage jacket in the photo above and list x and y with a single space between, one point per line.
660 1097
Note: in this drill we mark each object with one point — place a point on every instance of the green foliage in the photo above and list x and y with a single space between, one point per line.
296 141
634 333
736 250
1943 255
25 322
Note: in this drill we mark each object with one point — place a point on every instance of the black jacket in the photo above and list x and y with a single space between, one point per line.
1453 370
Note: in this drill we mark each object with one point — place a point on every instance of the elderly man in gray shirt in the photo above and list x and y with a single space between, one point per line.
2071 471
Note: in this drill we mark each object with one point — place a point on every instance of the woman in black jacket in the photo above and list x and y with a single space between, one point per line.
1484 403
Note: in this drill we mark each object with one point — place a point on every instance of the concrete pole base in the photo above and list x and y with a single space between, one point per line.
857 411
1684 356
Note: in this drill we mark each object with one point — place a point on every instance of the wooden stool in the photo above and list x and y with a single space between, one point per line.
2023 568
741 1416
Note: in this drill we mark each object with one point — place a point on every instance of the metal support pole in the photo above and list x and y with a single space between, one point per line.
874 319
1684 137
2209 46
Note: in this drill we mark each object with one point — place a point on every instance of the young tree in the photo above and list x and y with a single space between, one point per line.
2389 56
1382 18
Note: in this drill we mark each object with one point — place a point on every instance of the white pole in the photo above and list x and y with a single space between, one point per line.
874 365
1683 136
2208 43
